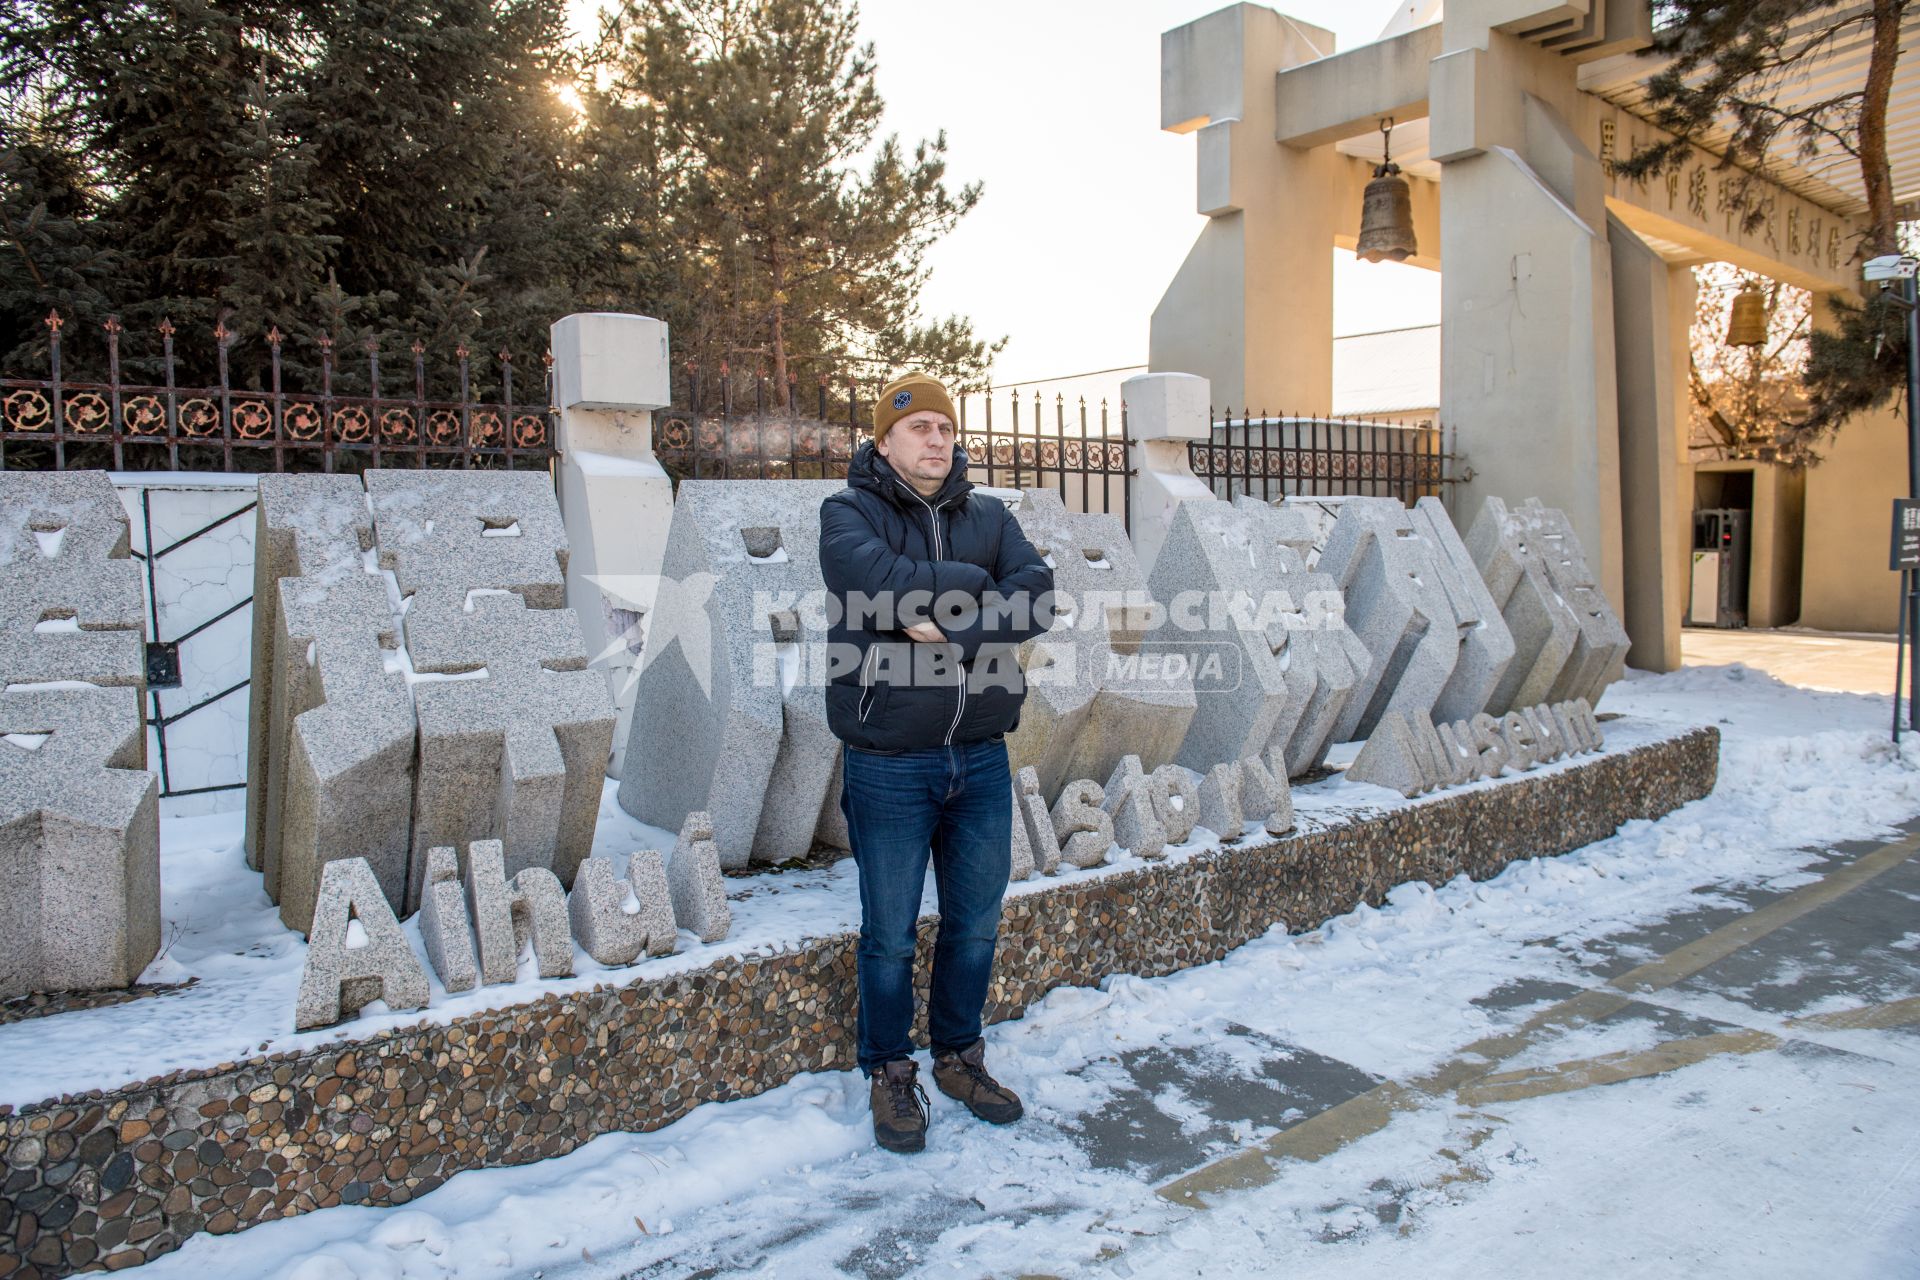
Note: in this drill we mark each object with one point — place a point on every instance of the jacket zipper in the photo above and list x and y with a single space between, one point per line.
961 670
933 519
866 690
932 515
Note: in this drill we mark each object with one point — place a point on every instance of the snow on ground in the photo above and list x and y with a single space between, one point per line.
1774 1164
220 930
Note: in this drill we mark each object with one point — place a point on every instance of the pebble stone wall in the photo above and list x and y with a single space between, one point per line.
109 1179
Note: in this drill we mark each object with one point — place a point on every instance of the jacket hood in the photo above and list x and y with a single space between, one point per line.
871 472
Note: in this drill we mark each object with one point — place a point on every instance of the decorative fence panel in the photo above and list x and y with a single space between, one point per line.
1081 454
1268 457
53 422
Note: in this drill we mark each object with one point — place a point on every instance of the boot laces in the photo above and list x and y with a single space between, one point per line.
908 1099
977 1075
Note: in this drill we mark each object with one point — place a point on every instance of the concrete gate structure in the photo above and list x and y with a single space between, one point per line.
1567 292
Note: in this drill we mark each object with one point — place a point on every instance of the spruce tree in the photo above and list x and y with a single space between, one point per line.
798 237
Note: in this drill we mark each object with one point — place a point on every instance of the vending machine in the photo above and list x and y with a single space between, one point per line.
1720 560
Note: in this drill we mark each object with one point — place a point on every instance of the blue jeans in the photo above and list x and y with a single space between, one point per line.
955 805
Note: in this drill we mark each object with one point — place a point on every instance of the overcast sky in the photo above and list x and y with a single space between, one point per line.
1089 207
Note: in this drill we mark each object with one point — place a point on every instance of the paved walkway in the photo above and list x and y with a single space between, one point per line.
1786 1014
1810 659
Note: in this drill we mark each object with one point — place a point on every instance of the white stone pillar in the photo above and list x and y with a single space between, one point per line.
610 372
1164 412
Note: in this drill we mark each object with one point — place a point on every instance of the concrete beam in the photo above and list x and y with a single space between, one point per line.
1217 67
1702 206
1533 18
1613 26
1345 95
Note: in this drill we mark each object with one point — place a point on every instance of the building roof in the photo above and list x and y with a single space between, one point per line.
1831 177
1394 371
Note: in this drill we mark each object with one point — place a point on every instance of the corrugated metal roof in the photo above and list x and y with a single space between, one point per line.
1390 372
1831 178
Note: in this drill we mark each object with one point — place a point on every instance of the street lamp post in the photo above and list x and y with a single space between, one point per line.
1896 274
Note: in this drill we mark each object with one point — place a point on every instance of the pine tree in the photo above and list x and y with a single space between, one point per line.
1729 63
751 119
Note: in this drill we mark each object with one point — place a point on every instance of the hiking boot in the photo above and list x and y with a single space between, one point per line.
963 1076
899 1106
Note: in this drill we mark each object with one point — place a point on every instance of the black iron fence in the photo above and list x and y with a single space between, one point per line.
1079 451
1270 457
53 422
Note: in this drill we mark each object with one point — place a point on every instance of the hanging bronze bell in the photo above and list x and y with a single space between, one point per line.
1386 218
1747 320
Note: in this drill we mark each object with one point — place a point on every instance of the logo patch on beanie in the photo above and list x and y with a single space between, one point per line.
903 399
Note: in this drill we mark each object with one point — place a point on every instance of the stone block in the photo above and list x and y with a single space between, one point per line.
1395 756
70 601
1569 642
79 824
1401 588
1021 865
1235 580
1460 751
698 891
1266 796
1030 812
1168 406
445 926
607 360
1486 645
1128 798
1491 744
79 841
1087 705
508 914
446 535
416 683
341 977
1411 754
725 720
513 735
1083 828
304 525
1220 810
1176 801
604 925
340 780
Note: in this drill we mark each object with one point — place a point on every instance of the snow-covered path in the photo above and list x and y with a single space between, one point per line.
1773 1146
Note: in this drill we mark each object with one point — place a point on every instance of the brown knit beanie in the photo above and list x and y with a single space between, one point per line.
911 394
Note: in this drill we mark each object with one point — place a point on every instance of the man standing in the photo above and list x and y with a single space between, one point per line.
937 588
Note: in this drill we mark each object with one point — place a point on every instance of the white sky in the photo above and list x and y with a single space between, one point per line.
1089 207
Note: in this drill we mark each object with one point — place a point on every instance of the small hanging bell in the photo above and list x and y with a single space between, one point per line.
1747 319
1386 212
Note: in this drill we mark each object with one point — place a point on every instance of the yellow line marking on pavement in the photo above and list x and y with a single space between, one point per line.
1612 1068
1875 1017
1369 1112
1684 962
1671 1055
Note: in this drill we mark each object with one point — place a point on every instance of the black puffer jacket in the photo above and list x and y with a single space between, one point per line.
880 539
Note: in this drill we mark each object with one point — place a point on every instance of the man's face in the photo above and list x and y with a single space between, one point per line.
920 447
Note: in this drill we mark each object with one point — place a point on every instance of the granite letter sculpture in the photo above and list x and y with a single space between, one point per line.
79 825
